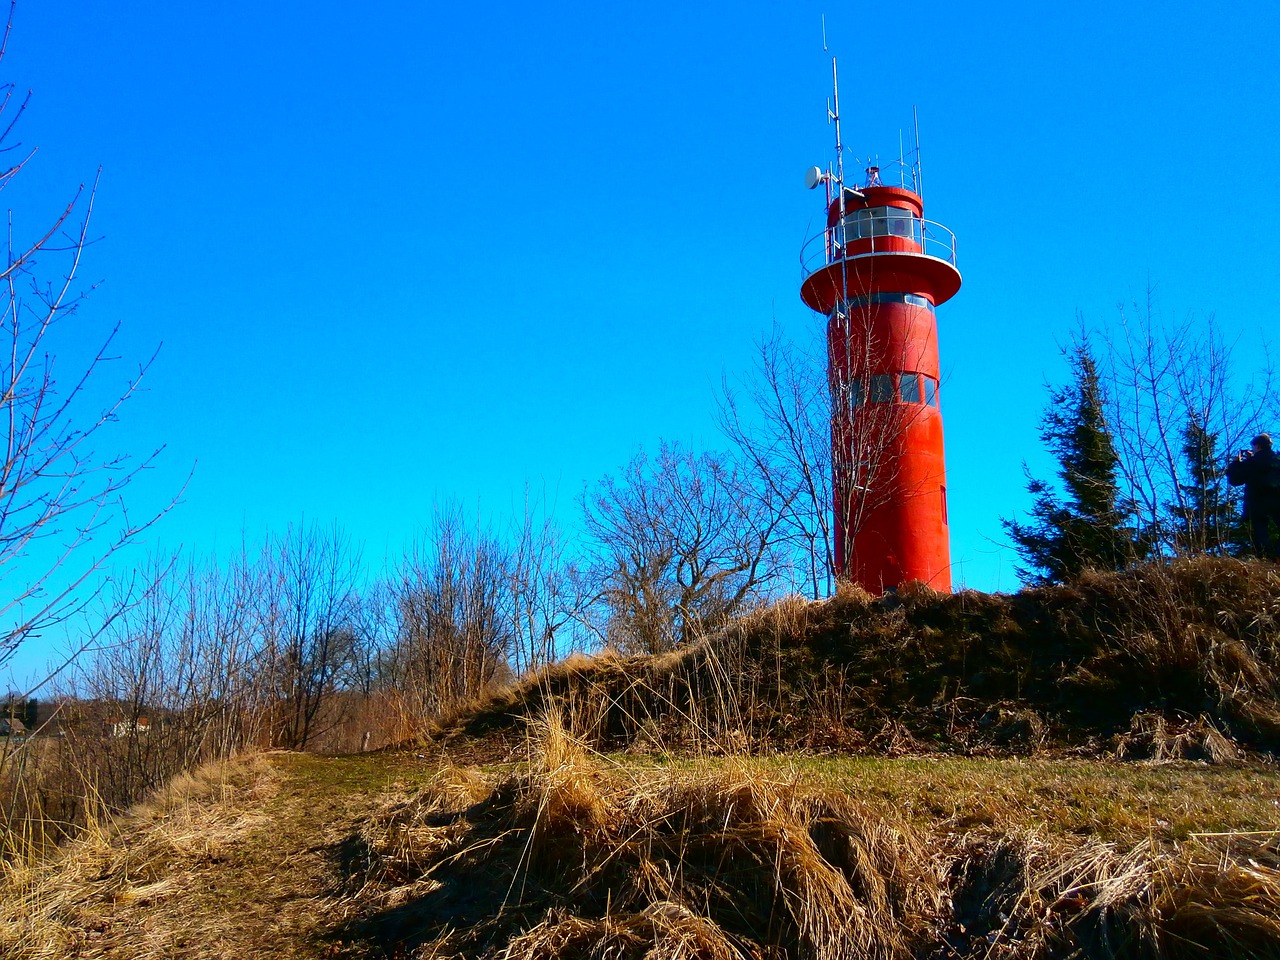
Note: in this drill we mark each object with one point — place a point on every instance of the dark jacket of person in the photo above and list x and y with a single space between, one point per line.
1260 475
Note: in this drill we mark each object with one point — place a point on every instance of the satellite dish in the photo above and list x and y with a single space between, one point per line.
814 176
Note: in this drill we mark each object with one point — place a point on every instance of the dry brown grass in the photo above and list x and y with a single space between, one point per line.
588 859
579 856
1213 897
1168 660
570 853
63 906
663 930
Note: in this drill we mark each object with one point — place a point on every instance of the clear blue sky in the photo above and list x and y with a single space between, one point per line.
398 252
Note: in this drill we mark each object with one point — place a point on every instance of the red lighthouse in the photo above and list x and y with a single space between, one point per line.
877 272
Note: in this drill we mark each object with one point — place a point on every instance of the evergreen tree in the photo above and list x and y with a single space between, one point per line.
1088 524
1206 519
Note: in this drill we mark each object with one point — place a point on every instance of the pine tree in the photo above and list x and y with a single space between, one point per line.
1088 524
1206 519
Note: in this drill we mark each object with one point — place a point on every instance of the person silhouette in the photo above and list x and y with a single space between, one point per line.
1258 471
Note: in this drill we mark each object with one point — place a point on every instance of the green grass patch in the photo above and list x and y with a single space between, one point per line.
1112 801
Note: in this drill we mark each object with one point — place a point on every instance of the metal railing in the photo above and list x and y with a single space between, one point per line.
880 234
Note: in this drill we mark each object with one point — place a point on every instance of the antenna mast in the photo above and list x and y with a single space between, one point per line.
834 116
918 172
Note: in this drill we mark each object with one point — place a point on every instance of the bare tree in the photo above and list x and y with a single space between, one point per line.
215 650
453 602
374 623
679 546
1170 385
118 690
545 596
779 419
172 684
307 607
61 510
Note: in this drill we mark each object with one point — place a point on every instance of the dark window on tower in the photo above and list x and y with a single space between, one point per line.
909 387
898 221
930 391
857 394
855 224
878 222
914 299
881 388
943 490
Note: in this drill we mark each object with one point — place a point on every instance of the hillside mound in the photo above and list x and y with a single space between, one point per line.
1177 660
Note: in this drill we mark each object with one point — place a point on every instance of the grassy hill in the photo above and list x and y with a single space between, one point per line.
1179 660
1084 771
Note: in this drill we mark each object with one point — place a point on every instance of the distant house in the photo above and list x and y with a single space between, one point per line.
125 728
12 727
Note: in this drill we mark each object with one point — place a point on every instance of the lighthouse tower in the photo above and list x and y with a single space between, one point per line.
877 272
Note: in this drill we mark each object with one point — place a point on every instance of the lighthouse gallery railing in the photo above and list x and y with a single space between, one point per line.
886 232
